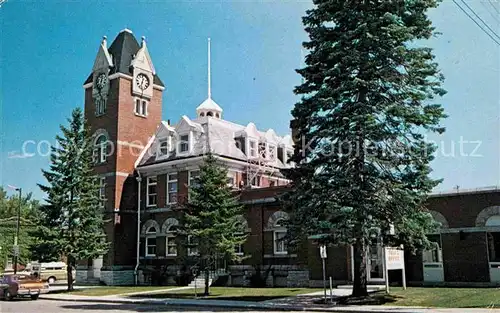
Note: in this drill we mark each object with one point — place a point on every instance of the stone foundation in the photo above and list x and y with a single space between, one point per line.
117 277
280 276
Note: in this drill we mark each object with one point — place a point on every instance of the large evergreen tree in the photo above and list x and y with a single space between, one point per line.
368 100
211 218
71 224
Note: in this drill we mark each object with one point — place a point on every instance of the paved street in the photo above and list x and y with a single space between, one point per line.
49 306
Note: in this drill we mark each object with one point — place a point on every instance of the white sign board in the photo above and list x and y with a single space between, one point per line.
322 252
394 258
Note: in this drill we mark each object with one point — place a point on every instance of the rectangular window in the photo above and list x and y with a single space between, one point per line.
193 177
100 106
280 246
102 188
171 246
141 107
172 188
494 246
252 148
184 143
151 194
150 246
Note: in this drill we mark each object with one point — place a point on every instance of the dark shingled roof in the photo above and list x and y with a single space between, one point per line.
123 49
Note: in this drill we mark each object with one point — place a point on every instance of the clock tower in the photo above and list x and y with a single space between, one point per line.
123 106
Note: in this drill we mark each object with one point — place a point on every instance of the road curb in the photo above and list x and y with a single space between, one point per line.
214 303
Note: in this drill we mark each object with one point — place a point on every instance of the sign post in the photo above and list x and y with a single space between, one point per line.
322 252
394 259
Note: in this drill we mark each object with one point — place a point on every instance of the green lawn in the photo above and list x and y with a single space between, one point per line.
235 293
444 297
109 291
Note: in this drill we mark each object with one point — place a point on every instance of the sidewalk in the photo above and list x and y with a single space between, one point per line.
268 306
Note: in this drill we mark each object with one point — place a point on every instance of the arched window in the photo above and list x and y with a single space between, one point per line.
217 115
151 241
276 224
169 228
210 114
202 114
100 148
279 233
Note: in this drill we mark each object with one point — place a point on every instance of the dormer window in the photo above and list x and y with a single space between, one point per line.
252 148
141 107
202 114
184 143
163 147
210 114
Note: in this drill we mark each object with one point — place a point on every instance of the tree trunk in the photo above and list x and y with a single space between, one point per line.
207 285
69 271
359 288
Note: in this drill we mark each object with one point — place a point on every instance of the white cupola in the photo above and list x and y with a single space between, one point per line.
209 107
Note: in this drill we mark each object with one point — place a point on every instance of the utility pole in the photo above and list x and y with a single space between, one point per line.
16 237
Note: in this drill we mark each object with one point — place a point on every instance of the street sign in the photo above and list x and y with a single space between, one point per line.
15 250
322 251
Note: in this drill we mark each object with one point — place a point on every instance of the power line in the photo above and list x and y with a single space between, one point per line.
493 15
475 22
474 12
493 6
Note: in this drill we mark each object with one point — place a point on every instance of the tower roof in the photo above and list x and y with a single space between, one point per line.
123 49
209 104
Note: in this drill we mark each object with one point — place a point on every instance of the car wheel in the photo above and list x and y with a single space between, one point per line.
51 280
7 296
34 297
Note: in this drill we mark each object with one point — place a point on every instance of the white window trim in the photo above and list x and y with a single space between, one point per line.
162 141
169 180
179 143
102 149
148 183
170 237
255 149
150 235
141 114
190 176
275 248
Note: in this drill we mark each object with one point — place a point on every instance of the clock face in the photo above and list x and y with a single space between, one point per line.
142 81
101 81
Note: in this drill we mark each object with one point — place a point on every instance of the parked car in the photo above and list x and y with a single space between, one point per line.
50 272
21 286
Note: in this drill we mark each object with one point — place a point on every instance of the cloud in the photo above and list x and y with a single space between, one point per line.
17 155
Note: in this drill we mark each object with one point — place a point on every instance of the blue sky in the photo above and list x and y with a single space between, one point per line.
48 49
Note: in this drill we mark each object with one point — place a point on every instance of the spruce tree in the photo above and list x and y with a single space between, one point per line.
368 100
71 225
211 218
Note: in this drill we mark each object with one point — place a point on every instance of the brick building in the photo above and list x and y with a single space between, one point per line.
146 166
